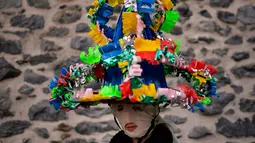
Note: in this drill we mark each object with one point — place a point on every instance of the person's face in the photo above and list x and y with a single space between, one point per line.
134 119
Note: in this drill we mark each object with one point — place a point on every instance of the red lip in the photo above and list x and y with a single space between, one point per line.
130 127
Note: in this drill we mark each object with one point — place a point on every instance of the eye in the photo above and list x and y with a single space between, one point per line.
138 108
120 107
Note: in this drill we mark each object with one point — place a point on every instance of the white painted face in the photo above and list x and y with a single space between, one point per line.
134 119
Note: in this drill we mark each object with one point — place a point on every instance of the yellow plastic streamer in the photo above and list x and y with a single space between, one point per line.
147 90
168 4
97 36
129 21
114 3
142 45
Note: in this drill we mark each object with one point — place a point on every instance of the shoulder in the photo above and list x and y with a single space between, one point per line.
121 137
162 134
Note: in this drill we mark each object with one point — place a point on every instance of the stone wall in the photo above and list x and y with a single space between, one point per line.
37 37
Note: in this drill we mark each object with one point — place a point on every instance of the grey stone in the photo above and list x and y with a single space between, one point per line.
222 78
204 51
177 30
220 51
175 119
199 132
207 40
21 34
237 88
13 127
64 127
226 17
44 4
213 61
78 140
26 58
7 70
34 78
247 105
94 112
43 111
44 58
241 128
251 40
230 112
234 40
92 140
239 56
218 104
107 138
184 10
5 103
47 45
82 27
246 14
33 22
253 91
244 71
65 136
66 63
25 89
188 55
10 46
81 43
221 3
205 13
68 14
88 128
46 90
10 4
223 31
58 31
42 132
26 140
207 26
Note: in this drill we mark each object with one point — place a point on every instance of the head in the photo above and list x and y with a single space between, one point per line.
135 119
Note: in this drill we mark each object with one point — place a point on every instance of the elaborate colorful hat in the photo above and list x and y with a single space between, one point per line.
132 60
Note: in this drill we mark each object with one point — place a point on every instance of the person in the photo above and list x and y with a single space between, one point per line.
141 124
131 61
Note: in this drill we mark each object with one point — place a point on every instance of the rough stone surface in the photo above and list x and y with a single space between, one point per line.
205 13
218 103
230 112
43 111
213 61
44 58
207 26
244 71
177 30
87 128
237 88
76 141
26 89
46 90
227 17
42 132
44 4
68 14
5 103
204 51
251 40
220 51
47 45
33 22
188 54
246 14
7 70
82 27
247 105
239 56
10 46
175 119
207 40
10 4
34 78
222 78
253 91
221 3
107 138
234 40
94 112
199 132
21 34
57 31
81 43
13 127
64 127
241 128
223 30
66 63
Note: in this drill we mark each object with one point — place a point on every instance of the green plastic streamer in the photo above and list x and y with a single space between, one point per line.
170 21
